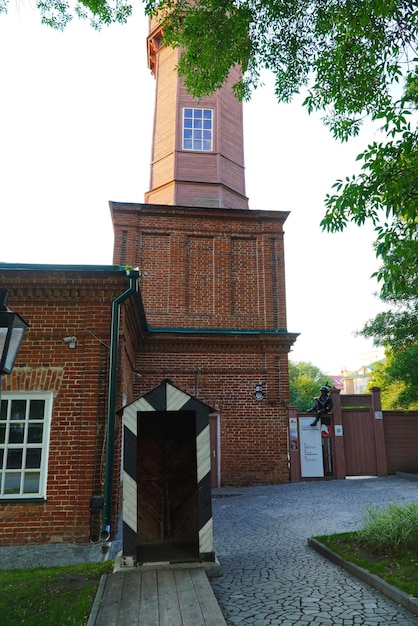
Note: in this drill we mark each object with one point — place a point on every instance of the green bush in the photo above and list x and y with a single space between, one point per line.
391 530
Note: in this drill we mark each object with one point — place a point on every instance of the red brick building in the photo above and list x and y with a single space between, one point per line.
208 313
54 404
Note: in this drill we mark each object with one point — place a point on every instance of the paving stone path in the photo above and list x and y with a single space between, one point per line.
270 575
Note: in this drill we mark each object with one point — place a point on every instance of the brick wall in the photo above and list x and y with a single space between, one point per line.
59 304
205 268
223 372
213 279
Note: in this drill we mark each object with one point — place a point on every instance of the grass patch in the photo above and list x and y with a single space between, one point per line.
400 571
387 546
51 596
391 530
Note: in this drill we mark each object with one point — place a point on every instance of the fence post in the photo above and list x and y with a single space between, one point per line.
338 434
294 445
379 433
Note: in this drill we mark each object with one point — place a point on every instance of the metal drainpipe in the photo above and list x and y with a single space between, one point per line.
133 276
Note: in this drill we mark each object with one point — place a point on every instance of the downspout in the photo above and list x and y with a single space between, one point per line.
133 276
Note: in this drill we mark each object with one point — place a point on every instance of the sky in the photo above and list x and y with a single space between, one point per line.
76 116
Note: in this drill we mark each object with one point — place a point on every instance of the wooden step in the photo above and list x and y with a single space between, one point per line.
164 597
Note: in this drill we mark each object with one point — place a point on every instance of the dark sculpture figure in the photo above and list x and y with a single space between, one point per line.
322 406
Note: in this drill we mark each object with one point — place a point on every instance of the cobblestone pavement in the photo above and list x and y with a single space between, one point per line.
270 575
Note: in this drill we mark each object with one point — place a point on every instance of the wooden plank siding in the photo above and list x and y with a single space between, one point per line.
401 438
214 178
166 597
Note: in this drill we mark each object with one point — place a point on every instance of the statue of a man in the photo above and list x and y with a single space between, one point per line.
322 405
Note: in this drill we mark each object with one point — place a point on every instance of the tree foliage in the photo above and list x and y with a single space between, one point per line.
58 13
395 393
397 330
305 381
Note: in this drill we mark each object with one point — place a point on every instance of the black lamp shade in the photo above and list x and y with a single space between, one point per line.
12 331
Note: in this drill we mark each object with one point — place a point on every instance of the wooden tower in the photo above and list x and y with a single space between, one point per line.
197 153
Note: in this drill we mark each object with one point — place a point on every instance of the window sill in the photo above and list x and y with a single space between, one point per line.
22 501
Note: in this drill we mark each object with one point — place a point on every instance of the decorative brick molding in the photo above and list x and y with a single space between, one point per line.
34 379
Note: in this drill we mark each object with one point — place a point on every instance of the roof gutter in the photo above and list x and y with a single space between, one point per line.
133 276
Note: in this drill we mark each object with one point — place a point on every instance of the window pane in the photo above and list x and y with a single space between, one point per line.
1 457
207 114
198 124
188 123
16 432
14 458
187 112
207 145
35 432
37 409
12 483
2 433
33 457
18 410
198 113
188 144
31 482
3 409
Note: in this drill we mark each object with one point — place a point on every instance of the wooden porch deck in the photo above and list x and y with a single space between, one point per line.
158 597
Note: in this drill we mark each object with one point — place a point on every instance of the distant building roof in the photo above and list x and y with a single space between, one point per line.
337 381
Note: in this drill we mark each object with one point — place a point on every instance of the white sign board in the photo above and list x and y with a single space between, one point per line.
311 460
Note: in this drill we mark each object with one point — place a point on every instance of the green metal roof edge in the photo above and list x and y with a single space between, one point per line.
68 268
217 331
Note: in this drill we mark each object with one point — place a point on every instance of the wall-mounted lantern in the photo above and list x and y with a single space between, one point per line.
12 330
258 393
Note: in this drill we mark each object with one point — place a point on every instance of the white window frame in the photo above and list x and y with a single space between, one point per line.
8 397
194 130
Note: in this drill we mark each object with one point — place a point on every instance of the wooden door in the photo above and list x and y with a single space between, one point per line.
167 487
359 443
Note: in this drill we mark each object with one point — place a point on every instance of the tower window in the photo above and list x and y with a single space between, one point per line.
198 129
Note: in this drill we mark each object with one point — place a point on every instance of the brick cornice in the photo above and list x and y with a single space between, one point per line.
162 210
198 342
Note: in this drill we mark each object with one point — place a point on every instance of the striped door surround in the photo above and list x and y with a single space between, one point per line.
167 397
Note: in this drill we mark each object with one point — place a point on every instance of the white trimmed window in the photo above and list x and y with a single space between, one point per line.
198 129
25 420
